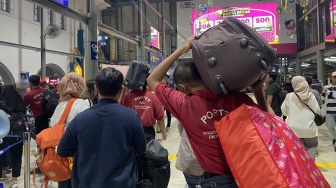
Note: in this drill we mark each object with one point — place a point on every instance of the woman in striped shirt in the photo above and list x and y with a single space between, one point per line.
329 96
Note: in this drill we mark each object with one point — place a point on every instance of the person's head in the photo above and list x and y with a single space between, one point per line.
271 77
288 79
166 79
333 78
34 81
187 78
90 87
109 83
300 84
43 83
314 76
309 80
90 91
72 85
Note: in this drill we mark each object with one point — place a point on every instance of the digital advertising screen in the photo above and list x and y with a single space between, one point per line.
53 80
62 2
155 38
262 17
331 37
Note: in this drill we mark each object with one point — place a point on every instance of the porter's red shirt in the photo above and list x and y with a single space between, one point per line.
146 104
198 113
33 98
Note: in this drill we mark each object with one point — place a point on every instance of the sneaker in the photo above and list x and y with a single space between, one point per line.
37 171
167 129
13 184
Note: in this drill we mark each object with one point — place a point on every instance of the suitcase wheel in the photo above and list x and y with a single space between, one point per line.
212 61
263 65
243 43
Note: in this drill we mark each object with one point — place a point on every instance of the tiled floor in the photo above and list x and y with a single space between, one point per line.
326 159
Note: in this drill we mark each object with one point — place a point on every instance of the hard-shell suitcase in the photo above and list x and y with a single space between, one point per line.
136 75
231 56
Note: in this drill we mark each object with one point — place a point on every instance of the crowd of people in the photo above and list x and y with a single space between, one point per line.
109 126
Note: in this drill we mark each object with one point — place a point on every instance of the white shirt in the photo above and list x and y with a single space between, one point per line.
79 106
301 120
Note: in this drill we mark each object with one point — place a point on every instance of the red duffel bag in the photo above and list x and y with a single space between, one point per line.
263 151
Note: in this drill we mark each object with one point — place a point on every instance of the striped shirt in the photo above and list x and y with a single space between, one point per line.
330 96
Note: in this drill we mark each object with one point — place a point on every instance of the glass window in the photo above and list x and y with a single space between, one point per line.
311 28
37 13
308 31
50 17
6 5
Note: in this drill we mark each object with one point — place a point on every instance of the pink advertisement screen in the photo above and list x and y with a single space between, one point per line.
155 38
262 17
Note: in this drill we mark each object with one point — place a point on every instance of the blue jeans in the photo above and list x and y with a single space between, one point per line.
191 180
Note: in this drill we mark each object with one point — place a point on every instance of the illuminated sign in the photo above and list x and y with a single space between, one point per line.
62 2
262 17
155 38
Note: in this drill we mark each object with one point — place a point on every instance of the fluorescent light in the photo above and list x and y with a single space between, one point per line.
329 60
332 57
305 65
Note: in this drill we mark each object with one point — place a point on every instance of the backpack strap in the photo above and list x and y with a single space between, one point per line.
66 111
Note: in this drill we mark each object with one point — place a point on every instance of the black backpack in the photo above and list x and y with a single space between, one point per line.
50 100
154 167
17 126
281 94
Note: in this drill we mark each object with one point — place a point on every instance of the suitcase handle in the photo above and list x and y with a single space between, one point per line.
220 82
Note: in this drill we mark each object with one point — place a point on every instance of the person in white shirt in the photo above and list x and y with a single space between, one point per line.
72 85
300 117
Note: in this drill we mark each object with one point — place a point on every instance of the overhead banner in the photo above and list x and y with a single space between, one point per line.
154 60
262 17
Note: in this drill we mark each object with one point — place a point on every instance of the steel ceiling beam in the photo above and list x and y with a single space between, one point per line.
158 14
68 12
118 34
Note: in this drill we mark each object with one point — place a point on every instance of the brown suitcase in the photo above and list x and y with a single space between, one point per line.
231 56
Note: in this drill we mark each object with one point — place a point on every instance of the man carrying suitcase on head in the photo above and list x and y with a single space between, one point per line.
198 110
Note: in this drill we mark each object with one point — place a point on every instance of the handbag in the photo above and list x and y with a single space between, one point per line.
318 119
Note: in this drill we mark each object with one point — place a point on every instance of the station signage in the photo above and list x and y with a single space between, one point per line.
62 2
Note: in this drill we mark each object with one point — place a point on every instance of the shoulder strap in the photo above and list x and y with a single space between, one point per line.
305 103
66 111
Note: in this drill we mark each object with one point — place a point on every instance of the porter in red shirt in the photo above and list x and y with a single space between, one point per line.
198 113
146 104
33 98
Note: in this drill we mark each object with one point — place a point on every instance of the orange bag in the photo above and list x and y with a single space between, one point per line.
54 167
263 151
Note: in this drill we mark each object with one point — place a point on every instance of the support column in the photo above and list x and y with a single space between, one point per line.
91 43
163 31
298 67
321 67
43 47
141 47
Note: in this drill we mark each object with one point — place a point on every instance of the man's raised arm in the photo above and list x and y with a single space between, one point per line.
160 71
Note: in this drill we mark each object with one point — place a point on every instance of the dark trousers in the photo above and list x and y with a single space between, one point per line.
149 132
15 155
65 184
168 117
41 122
192 181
